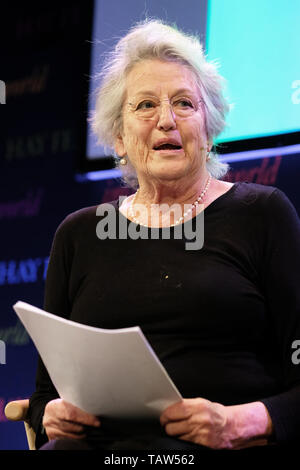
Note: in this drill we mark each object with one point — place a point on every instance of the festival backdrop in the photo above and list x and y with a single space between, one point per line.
41 136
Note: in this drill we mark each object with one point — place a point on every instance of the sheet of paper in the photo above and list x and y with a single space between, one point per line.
109 373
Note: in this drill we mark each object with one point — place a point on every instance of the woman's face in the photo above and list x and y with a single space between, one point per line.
171 143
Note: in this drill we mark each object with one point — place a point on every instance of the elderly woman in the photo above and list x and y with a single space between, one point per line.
223 318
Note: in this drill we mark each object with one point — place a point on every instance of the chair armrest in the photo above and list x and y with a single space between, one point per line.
17 410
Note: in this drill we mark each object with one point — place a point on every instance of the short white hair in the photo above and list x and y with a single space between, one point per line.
154 39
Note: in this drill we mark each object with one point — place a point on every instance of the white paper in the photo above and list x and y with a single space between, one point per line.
109 373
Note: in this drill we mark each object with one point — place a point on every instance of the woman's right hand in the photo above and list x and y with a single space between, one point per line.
64 420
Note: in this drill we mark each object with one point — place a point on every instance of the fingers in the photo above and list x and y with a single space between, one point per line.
68 426
56 433
62 419
187 419
198 420
73 414
57 429
184 410
63 411
178 411
178 428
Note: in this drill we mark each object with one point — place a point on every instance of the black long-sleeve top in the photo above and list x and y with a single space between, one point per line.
222 319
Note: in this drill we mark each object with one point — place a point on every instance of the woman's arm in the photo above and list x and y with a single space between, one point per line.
280 274
56 302
251 423
275 417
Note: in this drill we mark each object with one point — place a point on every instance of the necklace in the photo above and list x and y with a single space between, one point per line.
180 219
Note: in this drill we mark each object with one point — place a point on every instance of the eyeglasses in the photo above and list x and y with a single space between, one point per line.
149 107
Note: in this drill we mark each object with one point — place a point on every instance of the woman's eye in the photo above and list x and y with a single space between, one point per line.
145 105
184 104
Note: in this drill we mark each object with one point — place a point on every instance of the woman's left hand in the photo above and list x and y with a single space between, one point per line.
200 421
217 426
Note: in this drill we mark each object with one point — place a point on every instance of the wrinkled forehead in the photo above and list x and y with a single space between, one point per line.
160 78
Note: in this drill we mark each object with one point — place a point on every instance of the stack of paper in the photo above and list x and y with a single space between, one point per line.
109 373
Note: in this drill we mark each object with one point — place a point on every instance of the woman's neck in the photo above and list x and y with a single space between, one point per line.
145 212
161 206
171 192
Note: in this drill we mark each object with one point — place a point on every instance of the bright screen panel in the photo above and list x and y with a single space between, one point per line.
257 44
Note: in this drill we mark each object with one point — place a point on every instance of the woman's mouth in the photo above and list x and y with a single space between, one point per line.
168 148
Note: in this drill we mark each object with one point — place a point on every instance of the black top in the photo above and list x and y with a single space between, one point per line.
222 319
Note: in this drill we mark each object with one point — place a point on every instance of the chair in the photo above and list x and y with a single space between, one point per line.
17 411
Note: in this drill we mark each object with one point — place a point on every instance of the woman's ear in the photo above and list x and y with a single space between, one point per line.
120 147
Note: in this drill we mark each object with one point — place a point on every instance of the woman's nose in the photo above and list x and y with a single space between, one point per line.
166 118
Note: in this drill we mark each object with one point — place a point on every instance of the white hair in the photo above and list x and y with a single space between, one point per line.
154 39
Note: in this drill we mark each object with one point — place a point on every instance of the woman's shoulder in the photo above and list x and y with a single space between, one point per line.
263 199
248 193
237 195
82 219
